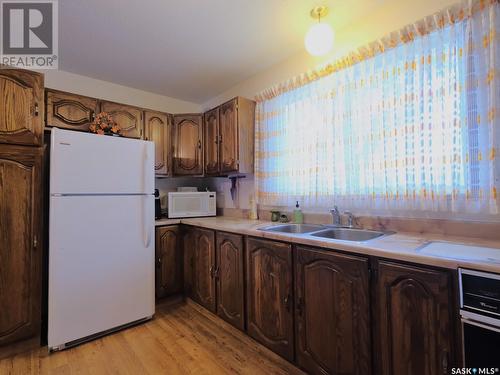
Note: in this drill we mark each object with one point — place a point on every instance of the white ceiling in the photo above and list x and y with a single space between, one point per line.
187 49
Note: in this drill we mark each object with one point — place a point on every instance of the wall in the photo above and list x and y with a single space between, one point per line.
78 84
391 16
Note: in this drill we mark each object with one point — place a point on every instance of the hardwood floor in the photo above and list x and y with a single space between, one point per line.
182 339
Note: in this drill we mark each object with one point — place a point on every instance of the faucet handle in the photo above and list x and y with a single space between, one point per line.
335 210
350 218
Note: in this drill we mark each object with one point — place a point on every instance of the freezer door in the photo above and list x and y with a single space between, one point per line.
84 163
101 264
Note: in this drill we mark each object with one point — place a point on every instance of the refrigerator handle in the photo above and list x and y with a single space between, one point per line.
145 219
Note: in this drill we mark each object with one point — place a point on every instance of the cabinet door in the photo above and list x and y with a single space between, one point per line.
20 242
332 313
69 111
413 313
229 279
158 130
188 152
21 107
203 269
128 118
212 142
269 295
168 261
229 136
188 246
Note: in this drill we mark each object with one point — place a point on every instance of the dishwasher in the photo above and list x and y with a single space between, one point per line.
480 318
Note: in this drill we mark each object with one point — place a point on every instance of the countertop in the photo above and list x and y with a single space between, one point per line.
403 246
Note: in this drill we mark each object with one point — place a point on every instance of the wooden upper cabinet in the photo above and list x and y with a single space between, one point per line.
188 144
21 107
203 268
332 312
269 295
70 111
229 277
230 137
414 313
127 117
20 242
168 261
229 142
211 137
158 130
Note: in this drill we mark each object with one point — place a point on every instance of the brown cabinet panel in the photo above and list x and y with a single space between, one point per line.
269 295
332 312
230 279
413 312
203 268
20 242
128 118
158 130
188 144
21 107
211 137
229 142
168 261
70 111
188 246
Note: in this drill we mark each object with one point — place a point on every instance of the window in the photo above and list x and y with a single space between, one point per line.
412 129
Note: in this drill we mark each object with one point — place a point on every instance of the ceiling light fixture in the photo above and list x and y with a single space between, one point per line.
319 38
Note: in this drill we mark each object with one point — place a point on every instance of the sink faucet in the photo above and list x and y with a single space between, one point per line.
337 220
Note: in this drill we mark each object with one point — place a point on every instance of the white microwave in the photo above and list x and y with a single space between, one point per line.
191 204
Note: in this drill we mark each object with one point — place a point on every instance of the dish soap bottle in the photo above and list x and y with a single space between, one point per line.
298 216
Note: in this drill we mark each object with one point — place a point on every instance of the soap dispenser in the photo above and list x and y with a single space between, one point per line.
298 216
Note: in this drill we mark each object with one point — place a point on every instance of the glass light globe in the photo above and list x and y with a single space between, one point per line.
319 39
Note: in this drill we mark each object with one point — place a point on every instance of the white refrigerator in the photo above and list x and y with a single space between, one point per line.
101 235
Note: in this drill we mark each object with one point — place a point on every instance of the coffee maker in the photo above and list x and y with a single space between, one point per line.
157 204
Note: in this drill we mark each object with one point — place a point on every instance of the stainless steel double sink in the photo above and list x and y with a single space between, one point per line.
326 232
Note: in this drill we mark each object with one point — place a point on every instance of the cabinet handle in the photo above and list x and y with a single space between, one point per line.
212 273
216 140
92 116
36 109
199 144
217 272
288 302
35 242
444 362
220 138
159 260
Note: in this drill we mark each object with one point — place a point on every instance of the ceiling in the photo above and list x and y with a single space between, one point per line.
187 49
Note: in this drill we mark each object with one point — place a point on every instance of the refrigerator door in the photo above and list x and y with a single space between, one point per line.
84 163
101 264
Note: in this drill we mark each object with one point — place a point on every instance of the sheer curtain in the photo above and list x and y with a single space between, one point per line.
410 128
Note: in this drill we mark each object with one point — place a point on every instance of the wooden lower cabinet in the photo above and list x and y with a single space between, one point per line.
270 295
203 278
414 329
229 276
332 312
168 261
20 242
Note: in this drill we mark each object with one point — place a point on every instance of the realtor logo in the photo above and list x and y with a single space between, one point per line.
29 34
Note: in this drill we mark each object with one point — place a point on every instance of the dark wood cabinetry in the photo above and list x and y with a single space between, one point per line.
169 261
211 136
332 312
128 118
270 295
188 144
414 330
229 137
158 129
20 242
70 111
21 107
203 281
229 277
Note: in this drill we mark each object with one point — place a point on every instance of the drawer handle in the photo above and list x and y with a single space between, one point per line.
288 302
